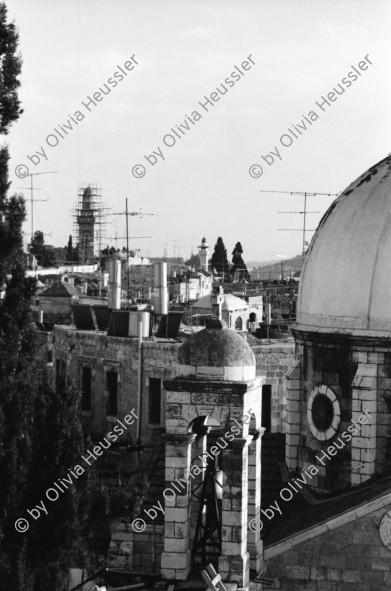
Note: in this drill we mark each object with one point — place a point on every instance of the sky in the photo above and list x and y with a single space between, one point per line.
182 50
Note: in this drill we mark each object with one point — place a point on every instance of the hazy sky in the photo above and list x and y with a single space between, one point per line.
185 49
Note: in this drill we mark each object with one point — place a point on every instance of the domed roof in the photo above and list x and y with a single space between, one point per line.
218 353
346 280
232 303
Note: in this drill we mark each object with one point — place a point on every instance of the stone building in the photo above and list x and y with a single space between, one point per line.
56 302
85 357
190 286
338 434
236 312
328 527
107 368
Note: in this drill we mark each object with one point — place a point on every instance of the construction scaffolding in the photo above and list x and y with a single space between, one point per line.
89 222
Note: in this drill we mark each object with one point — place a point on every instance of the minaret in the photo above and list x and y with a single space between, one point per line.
86 221
203 254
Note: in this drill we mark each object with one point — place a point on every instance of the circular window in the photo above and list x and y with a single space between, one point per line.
323 413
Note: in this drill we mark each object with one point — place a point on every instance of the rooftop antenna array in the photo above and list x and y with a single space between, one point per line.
128 213
304 212
32 199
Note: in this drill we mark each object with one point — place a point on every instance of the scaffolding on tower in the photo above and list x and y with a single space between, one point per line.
89 222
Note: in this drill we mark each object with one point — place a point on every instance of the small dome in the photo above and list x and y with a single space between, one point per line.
232 303
217 353
346 281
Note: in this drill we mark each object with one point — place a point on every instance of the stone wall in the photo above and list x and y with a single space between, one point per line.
136 552
349 558
383 433
359 374
274 361
56 309
104 353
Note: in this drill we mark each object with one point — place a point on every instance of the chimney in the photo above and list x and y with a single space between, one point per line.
160 285
114 300
217 303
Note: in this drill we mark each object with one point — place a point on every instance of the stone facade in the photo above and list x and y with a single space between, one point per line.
274 361
132 551
358 372
96 350
191 289
101 354
350 557
216 383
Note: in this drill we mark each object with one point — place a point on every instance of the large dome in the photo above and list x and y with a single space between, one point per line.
346 280
217 353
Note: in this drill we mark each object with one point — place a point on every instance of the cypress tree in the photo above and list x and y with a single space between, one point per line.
219 257
238 263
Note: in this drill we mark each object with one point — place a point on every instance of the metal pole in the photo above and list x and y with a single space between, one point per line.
127 253
139 382
32 212
304 215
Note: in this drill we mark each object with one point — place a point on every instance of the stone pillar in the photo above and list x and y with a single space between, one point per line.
176 557
234 562
364 398
293 417
255 545
197 449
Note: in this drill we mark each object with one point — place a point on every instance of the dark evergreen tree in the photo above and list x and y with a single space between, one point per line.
10 67
70 249
22 426
45 255
238 263
17 389
219 258
60 539
76 254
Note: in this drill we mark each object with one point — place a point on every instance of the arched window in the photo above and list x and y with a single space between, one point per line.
238 323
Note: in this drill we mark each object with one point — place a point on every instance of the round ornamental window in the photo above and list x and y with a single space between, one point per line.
323 413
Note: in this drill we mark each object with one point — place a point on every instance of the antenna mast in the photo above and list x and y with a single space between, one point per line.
304 212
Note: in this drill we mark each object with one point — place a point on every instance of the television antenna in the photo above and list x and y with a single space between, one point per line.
32 200
304 212
128 213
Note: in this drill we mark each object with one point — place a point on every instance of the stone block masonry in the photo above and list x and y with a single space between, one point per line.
349 558
274 361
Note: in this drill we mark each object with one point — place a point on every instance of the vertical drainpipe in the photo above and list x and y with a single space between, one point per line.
139 382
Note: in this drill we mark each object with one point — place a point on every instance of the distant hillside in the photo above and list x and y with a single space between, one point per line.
273 271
